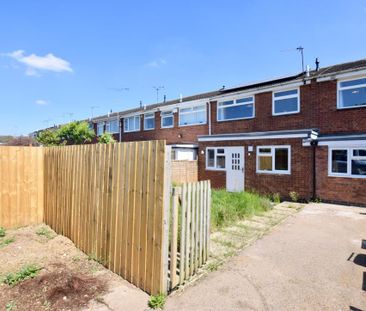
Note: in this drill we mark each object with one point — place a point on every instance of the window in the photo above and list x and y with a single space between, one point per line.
167 119
100 128
112 126
286 102
131 124
348 162
215 158
352 93
273 159
149 121
193 115
242 108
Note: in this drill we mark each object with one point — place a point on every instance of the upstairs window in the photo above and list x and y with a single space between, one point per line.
193 115
167 119
131 124
273 159
112 126
215 158
286 102
352 93
149 121
242 108
348 162
100 128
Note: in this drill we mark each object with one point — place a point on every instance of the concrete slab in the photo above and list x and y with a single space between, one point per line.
315 260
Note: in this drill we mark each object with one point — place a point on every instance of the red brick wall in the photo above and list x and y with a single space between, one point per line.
300 179
337 189
175 135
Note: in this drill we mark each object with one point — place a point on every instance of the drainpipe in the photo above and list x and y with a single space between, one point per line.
209 117
120 128
314 144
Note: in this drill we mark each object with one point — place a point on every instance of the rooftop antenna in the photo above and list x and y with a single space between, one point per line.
92 110
157 89
301 50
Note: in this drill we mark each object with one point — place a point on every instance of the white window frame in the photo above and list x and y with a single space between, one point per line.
147 116
108 126
235 104
100 124
192 112
215 168
285 97
171 114
272 154
339 89
127 120
350 157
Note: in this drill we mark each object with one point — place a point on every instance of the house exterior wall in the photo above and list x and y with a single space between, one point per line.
299 180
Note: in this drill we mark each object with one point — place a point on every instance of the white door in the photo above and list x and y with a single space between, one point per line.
234 168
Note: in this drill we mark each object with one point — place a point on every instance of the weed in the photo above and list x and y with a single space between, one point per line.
294 196
96 259
229 254
6 242
76 258
213 266
224 243
2 232
27 272
47 305
157 302
276 198
10 305
44 231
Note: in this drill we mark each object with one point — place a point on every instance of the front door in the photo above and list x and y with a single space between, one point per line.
234 168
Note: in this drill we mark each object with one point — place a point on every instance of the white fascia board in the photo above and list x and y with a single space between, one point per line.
184 146
344 75
259 137
343 143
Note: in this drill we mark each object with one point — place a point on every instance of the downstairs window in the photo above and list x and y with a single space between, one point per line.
347 162
273 159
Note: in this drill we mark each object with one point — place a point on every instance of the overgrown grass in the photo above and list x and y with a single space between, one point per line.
157 302
228 207
44 231
27 272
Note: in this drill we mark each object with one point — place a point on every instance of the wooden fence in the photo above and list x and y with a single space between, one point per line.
109 200
21 186
184 171
190 230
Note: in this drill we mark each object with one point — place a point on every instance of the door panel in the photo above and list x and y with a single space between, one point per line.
234 168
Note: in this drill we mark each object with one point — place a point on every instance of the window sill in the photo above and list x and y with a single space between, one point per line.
348 176
236 119
215 169
353 107
194 124
131 131
167 127
284 114
272 173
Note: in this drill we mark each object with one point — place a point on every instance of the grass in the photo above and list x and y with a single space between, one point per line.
157 302
229 207
11 305
43 231
6 242
2 232
27 272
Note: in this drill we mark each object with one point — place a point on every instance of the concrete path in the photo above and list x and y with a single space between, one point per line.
315 260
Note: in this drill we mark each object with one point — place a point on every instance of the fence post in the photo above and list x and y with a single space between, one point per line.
174 239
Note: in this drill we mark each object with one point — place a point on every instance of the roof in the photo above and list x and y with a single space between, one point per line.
350 66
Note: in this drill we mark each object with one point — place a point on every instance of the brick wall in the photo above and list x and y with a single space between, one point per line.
184 171
337 189
300 179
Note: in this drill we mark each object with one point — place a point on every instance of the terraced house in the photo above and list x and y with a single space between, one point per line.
304 133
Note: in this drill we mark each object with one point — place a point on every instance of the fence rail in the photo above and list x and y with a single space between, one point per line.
190 230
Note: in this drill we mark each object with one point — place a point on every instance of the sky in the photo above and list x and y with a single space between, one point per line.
71 59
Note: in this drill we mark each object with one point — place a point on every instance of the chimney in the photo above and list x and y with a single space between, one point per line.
140 104
164 98
307 71
317 64
181 98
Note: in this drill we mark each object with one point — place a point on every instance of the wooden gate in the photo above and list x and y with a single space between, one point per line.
189 231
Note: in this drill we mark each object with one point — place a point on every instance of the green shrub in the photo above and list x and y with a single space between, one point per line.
294 196
27 272
276 198
228 207
2 232
106 138
44 231
157 302
6 242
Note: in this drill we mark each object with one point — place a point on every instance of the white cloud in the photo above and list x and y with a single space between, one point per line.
34 63
156 63
41 102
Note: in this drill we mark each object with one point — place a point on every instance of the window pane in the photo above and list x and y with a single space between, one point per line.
286 105
220 150
229 102
168 121
353 82
149 123
220 161
339 161
358 167
193 117
236 112
210 157
359 152
265 163
244 100
265 150
353 97
137 123
281 159
285 93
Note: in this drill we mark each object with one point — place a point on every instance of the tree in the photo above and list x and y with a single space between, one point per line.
73 133
22 141
106 138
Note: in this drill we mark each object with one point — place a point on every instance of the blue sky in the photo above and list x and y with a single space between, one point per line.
60 58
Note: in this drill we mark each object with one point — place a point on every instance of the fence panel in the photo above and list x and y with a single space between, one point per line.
21 186
190 232
109 200
184 171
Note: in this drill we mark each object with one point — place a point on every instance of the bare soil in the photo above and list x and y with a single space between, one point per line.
68 280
